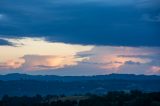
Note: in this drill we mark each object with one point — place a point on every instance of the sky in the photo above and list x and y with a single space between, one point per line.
80 37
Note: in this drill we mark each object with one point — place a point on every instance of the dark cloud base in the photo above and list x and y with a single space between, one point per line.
5 43
81 23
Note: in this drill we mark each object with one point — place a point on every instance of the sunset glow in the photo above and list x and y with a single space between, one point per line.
33 54
87 37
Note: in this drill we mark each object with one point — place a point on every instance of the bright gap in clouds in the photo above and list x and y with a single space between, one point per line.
35 55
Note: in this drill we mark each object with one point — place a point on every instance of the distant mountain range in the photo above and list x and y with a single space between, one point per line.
23 84
17 76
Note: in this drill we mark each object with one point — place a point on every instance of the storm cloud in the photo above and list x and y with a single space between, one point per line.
86 22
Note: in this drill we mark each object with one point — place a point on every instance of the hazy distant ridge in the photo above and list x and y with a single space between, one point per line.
17 76
21 84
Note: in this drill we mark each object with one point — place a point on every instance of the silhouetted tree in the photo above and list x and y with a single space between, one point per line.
133 98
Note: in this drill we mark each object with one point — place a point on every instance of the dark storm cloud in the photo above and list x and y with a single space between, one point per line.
98 22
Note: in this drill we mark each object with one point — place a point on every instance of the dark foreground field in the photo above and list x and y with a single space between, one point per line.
132 98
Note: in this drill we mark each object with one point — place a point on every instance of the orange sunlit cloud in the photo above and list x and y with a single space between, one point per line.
116 62
155 69
41 62
110 57
31 54
35 46
38 54
12 64
37 62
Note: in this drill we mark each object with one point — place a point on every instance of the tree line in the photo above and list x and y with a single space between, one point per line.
116 98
